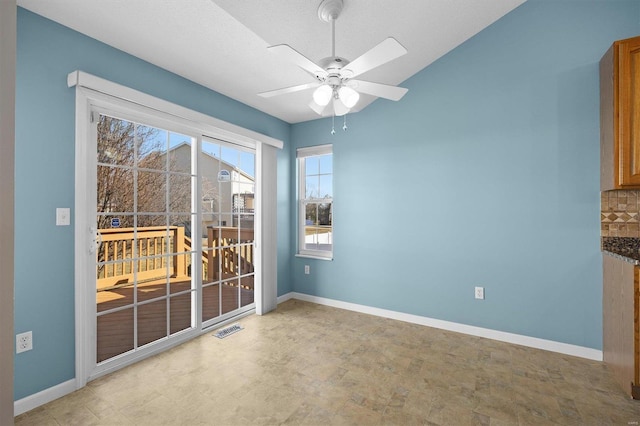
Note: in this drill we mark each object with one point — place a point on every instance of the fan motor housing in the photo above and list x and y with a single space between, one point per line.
333 63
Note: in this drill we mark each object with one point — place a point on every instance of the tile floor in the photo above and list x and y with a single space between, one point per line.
314 365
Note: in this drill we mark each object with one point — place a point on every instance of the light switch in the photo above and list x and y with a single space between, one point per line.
63 216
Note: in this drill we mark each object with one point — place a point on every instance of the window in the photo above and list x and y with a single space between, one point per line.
315 198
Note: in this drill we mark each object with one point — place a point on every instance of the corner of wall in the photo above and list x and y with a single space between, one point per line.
8 24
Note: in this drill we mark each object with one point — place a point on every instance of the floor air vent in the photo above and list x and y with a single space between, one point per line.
227 331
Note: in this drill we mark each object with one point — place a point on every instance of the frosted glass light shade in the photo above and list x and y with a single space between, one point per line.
322 95
339 109
348 96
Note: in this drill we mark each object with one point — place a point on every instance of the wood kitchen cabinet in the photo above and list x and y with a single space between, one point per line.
620 307
620 116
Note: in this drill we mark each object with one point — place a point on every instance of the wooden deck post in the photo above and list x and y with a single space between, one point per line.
179 262
212 258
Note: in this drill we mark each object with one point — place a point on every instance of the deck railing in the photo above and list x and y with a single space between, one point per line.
236 252
156 248
159 248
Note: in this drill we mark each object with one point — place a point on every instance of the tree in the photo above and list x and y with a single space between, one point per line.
318 213
133 167
117 155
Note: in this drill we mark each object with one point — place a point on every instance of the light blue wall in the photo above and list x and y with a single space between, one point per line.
486 173
44 288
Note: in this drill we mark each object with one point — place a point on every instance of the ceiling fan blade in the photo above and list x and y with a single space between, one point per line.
386 91
384 52
290 54
291 89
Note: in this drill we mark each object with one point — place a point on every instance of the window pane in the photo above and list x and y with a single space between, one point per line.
247 164
152 322
230 295
326 186
230 156
180 317
180 153
115 141
311 214
324 214
152 191
312 187
152 288
152 147
312 166
179 193
210 302
318 227
114 189
116 334
326 164
210 198
149 220
112 292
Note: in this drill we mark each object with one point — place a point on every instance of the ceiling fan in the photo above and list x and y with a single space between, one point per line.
337 92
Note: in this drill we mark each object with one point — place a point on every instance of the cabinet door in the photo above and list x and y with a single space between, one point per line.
619 322
628 110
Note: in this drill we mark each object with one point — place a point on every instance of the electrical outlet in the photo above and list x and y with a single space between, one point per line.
24 342
479 292
307 270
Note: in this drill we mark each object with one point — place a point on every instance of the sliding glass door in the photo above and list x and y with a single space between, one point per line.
174 234
145 291
228 218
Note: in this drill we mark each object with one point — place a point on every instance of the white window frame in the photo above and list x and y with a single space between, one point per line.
301 155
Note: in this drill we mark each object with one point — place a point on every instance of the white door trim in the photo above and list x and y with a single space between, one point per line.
94 92
81 243
211 126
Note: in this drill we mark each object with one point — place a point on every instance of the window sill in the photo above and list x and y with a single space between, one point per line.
311 256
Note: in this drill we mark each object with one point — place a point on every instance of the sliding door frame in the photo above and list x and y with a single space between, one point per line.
94 93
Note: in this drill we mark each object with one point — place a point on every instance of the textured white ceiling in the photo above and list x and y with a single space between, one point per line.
221 44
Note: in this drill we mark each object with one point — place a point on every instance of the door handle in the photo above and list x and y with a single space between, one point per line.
95 239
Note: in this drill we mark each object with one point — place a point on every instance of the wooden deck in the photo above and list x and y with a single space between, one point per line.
148 254
115 330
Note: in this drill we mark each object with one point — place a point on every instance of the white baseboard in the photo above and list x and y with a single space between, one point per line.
37 399
517 339
286 297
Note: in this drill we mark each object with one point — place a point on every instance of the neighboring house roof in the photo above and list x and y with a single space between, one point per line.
231 166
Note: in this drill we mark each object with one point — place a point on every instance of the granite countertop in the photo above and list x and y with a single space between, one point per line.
625 248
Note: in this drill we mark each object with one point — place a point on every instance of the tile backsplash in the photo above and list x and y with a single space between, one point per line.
619 213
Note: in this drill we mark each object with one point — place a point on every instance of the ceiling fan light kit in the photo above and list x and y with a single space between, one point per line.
334 75
322 95
348 96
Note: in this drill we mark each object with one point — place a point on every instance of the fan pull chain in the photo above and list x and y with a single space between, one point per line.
333 124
